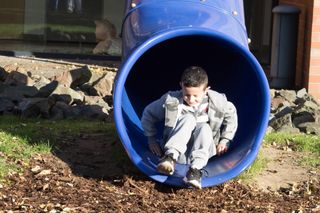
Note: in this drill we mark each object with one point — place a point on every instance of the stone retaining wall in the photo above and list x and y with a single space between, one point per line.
80 92
294 112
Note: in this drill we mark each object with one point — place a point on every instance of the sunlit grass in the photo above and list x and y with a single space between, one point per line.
255 168
21 139
308 145
71 28
37 131
15 151
9 31
299 142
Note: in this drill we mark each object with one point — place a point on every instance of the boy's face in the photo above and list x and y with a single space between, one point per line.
193 95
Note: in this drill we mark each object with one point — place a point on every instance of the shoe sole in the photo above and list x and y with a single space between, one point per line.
165 168
193 183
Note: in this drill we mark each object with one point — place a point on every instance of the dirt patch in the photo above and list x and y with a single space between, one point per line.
82 175
283 170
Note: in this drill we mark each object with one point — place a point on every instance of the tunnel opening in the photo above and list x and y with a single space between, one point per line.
232 70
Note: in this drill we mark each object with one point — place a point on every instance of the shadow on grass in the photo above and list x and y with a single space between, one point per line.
91 149
98 155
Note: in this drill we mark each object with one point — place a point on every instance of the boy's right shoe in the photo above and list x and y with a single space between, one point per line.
166 165
193 178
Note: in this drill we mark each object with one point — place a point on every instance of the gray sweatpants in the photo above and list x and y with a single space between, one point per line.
191 142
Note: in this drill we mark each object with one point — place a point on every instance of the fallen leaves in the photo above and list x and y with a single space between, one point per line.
44 172
52 184
36 169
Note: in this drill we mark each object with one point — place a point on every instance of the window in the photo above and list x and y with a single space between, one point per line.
258 15
61 26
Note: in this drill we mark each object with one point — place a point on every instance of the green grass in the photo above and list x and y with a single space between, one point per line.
72 28
37 131
299 142
309 145
16 30
20 139
11 30
15 150
257 166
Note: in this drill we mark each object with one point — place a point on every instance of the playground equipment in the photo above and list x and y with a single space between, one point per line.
163 37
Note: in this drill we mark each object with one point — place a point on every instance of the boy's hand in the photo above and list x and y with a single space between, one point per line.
221 148
154 147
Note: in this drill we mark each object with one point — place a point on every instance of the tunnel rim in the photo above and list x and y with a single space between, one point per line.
129 63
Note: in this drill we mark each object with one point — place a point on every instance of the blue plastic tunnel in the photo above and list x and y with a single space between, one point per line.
163 37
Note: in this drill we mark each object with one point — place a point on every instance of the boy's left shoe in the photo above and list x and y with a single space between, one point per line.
193 178
166 165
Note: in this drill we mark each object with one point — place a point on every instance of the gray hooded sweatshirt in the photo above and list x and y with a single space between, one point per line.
222 115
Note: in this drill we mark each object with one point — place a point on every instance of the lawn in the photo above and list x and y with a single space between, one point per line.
21 139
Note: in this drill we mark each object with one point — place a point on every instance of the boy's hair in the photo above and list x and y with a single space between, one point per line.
194 77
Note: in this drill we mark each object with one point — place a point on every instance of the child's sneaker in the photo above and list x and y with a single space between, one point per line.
193 178
166 165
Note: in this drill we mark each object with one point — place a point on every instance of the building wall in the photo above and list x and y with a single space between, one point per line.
308 54
34 15
314 71
11 19
113 11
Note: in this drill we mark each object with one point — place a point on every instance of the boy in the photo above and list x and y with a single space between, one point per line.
198 124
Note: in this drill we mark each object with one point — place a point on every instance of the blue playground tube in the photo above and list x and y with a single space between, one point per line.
163 37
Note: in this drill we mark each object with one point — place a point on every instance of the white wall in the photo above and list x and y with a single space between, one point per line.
113 10
35 17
